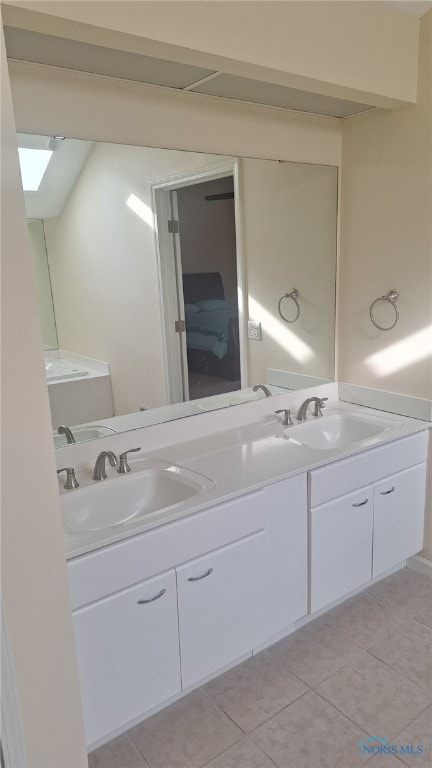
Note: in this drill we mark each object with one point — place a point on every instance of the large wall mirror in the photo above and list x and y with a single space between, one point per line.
171 282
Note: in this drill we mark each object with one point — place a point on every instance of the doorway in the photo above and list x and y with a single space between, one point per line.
200 267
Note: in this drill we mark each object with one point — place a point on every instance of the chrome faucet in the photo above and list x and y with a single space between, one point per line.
99 467
319 404
287 420
264 389
67 432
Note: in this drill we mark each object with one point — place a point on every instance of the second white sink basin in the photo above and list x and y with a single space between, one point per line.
340 430
130 498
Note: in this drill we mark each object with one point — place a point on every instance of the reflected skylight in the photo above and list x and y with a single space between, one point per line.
33 163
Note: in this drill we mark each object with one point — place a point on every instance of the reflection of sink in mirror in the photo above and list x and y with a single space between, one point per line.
284 208
83 433
63 369
234 398
130 498
337 431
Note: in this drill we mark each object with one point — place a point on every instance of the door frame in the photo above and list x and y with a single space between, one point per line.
165 254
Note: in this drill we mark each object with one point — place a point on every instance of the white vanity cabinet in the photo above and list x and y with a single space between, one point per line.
127 649
340 546
398 517
221 599
363 519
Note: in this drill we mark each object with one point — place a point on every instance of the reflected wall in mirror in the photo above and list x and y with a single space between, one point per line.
149 265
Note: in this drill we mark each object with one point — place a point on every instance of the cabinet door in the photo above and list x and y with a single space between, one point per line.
341 546
287 553
398 517
221 599
128 654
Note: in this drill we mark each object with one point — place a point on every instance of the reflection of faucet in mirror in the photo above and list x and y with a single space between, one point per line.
99 467
265 389
273 203
67 432
319 404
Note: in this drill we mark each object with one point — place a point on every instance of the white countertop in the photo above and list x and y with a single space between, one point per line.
238 461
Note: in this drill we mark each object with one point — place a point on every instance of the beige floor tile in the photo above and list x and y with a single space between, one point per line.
315 652
255 690
244 754
310 733
186 734
425 617
118 753
418 733
374 696
364 619
407 590
384 761
409 651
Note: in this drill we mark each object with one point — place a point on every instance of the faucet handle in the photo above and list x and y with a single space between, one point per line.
71 481
123 465
319 404
287 420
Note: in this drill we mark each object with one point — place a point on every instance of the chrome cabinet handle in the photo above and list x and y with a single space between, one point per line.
385 493
203 576
151 599
361 503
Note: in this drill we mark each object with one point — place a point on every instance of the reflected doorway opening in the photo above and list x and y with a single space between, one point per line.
197 237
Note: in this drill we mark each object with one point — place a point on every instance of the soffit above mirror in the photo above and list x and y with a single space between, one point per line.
35 47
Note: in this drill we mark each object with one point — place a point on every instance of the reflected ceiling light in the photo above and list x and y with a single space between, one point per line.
33 163
280 333
141 209
402 354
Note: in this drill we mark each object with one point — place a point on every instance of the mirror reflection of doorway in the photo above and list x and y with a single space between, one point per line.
203 230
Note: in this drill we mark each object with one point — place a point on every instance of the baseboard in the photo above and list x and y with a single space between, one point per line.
420 564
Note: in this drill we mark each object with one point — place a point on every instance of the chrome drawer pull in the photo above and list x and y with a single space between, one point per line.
361 503
203 576
151 599
385 493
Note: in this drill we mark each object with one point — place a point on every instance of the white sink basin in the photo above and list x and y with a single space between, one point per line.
130 498
340 430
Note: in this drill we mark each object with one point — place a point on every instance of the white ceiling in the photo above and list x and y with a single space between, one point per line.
415 7
24 45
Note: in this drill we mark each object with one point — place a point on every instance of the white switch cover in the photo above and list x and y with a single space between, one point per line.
254 330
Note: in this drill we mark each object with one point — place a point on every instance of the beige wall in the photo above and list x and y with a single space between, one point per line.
289 216
386 242
104 269
35 596
355 49
43 284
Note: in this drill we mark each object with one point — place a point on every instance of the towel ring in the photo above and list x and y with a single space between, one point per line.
294 296
392 297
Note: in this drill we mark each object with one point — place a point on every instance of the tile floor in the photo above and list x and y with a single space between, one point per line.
362 669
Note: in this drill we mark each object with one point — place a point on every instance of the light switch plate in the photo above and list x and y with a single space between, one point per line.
254 330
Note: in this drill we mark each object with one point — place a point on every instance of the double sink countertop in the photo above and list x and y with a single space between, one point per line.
236 461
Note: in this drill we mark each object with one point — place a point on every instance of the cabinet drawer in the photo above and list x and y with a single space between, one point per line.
344 476
128 655
341 546
115 567
221 601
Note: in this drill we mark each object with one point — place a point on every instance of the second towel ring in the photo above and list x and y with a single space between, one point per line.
392 297
294 296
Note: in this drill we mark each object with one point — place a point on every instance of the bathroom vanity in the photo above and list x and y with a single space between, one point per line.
275 530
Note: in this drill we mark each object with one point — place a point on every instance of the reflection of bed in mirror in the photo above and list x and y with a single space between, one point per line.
212 327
